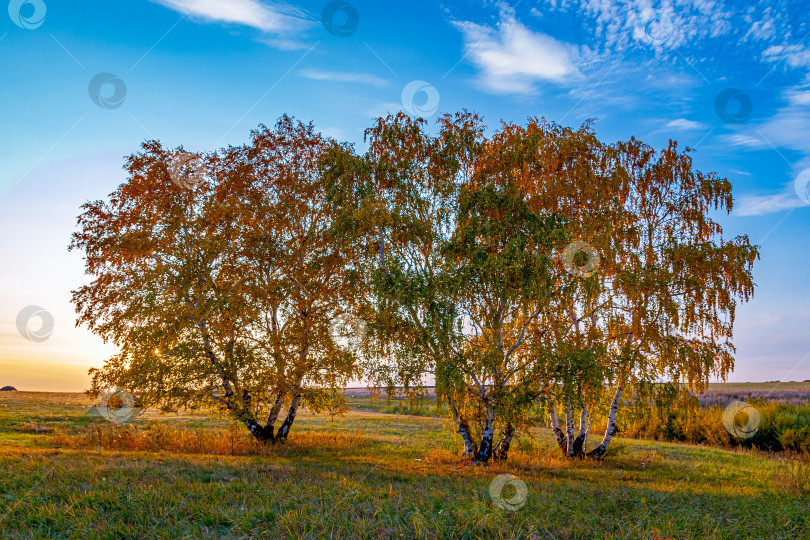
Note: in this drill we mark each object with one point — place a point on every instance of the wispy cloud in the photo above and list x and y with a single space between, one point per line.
343 76
788 127
739 139
682 124
265 17
795 55
767 204
513 59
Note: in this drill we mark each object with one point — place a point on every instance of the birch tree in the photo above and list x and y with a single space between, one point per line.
460 269
220 288
652 283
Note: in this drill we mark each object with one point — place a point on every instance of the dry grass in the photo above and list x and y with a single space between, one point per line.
776 394
366 476
794 475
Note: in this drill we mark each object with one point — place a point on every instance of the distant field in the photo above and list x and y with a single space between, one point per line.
764 386
793 392
369 475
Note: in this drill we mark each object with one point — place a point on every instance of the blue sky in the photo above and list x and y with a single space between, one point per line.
728 79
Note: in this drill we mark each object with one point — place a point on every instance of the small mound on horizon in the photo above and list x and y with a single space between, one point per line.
8 389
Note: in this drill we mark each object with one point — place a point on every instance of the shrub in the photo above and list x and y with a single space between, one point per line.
782 427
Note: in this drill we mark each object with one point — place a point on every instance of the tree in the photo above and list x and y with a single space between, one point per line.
458 273
500 281
537 268
218 277
653 285
640 302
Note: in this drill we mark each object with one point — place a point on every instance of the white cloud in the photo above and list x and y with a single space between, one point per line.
794 55
798 96
748 141
264 17
682 124
513 60
343 76
789 127
695 31
767 204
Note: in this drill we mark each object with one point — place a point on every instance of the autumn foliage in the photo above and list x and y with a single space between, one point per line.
530 270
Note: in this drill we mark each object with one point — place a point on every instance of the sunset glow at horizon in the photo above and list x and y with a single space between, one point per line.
88 83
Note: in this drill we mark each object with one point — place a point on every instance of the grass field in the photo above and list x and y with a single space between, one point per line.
65 474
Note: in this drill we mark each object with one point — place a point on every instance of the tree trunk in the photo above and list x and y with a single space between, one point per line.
555 425
569 431
484 453
464 430
600 450
502 448
274 412
579 442
288 422
259 432
266 433
585 439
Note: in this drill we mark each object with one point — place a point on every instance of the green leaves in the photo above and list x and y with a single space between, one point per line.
220 294
533 262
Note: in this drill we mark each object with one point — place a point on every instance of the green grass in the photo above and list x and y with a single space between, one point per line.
368 475
426 407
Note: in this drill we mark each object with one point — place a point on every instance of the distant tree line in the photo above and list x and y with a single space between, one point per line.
535 270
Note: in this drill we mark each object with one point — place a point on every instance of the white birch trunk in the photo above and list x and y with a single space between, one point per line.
569 431
583 426
485 448
464 431
284 430
587 432
555 425
600 450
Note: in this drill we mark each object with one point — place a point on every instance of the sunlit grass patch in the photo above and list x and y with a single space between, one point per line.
372 476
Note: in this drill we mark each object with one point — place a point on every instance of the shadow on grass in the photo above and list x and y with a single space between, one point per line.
317 492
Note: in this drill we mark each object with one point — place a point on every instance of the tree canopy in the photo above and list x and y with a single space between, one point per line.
532 269
221 290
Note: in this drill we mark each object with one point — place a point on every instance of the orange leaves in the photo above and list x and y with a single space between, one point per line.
232 278
239 275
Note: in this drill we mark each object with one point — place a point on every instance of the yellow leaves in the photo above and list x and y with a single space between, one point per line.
259 254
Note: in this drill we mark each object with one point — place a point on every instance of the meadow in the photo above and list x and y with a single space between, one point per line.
372 473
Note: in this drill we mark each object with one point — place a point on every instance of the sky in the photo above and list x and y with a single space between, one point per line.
86 82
